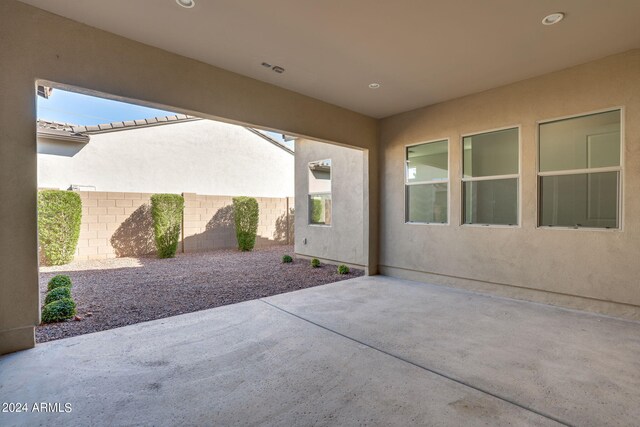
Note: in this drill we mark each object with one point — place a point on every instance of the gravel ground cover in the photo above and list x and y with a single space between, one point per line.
123 291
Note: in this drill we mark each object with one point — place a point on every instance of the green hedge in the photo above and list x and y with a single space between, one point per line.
59 281
59 216
317 211
315 263
57 293
246 212
166 210
286 259
59 310
343 269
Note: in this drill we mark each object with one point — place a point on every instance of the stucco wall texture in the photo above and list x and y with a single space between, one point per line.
600 266
200 156
35 44
594 267
343 240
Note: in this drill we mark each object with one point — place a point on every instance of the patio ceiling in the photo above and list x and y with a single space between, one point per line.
421 52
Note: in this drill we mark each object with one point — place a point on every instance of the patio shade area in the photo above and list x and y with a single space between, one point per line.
371 350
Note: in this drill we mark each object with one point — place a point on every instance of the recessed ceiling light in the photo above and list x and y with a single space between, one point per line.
374 85
554 18
186 3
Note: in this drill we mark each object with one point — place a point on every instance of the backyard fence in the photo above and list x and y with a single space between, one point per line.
119 224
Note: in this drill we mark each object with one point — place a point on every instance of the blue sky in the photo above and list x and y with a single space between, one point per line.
77 109
74 108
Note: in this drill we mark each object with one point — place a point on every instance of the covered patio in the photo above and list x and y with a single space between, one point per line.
371 350
496 151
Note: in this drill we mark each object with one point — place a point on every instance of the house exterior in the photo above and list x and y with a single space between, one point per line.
117 167
337 234
525 191
172 154
497 216
544 208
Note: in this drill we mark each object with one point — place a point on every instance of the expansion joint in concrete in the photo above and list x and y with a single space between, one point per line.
425 368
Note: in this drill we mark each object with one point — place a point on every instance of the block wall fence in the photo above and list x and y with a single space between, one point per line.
120 224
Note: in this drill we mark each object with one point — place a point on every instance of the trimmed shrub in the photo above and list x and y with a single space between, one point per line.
57 293
59 217
59 310
245 213
315 263
317 211
286 259
166 211
59 281
343 269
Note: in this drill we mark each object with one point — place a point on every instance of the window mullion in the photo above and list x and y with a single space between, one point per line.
580 171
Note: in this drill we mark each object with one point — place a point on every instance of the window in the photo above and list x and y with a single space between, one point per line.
427 182
320 192
579 171
490 166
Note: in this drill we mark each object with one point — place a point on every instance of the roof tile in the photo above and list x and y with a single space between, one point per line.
105 127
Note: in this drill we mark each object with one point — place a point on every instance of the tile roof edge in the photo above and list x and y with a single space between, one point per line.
138 124
113 126
269 139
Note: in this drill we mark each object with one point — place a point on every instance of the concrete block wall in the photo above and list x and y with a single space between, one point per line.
114 225
120 224
208 222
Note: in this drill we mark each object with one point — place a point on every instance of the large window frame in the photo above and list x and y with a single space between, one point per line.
517 176
312 194
619 169
432 182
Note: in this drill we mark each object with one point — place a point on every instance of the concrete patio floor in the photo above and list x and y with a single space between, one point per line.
367 351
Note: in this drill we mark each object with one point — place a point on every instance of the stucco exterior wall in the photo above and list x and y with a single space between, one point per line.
35 44
599 266
200 156
342 241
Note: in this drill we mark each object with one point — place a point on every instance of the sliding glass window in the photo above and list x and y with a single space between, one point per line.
490 177
427 183
579 173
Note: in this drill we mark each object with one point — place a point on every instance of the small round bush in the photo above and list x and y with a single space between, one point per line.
315 263
58 281
59 310
55 294
287 259
343 269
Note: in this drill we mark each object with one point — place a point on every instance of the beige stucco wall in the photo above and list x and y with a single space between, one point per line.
598 265
342 241
200 156
38 45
